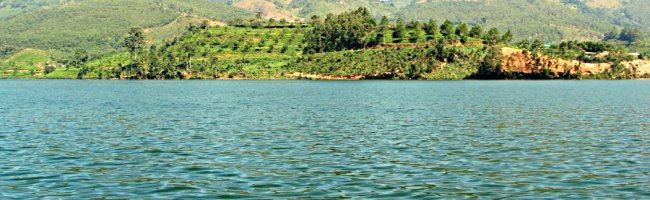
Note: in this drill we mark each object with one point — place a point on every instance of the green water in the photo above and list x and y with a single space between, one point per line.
348 139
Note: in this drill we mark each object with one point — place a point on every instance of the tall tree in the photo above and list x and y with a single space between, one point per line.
536 45
431 27
382 33
417 35
79 59
611 35
491 67
493 36
447 28
462 30
476 32
134 43
383 23
190 50
507 37
400 30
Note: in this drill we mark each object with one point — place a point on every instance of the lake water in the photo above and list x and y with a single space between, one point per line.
324 139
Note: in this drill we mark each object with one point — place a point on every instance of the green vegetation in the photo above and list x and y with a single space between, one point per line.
394 63
97 26
350 30
206 53
351 44
61 27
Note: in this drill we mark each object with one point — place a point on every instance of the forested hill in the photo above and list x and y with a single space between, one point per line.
60 27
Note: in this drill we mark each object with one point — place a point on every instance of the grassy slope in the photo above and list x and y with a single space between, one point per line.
29 63
309 8
241 52
98 25
24 63
549 21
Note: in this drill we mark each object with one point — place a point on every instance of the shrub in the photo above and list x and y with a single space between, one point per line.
49 69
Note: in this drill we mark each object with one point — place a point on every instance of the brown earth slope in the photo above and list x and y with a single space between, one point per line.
516 60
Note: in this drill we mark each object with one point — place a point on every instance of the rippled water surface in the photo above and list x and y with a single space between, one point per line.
297 139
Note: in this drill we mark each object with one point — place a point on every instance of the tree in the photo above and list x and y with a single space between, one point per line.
383 30
507 37
79 59
383 23
316 20
462 30
493 37
431 28
271 22
491 67
190 50
611 35
204 24
400 30
476 32
413 25
631 35
524 44
134 42
536 45
49 69
14 68
417 36
82 72
447 28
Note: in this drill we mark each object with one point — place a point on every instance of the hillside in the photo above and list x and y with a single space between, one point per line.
346 46
624 13
98 26
545 20
59 27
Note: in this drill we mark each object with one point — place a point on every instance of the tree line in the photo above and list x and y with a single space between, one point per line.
358 30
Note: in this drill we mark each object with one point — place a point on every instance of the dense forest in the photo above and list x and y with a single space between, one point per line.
349 45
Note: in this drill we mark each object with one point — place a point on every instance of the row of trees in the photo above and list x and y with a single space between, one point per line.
258 22
358 29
